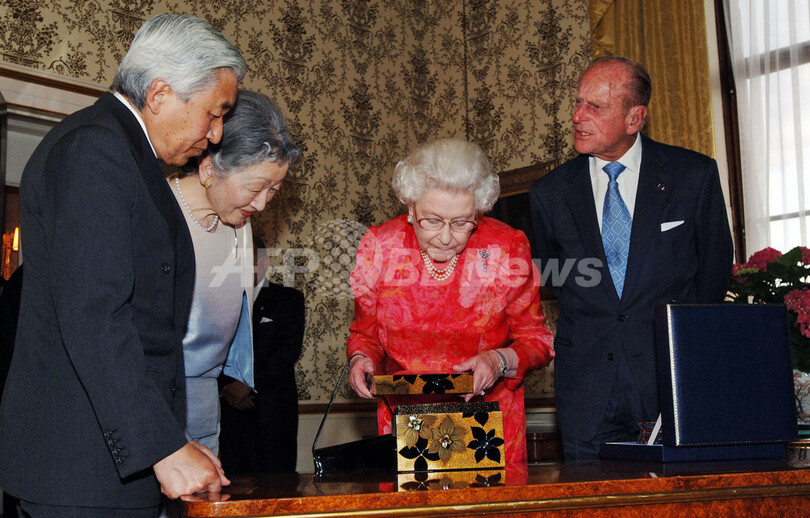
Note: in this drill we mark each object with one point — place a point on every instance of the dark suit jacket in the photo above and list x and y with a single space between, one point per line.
95 394
264 439
691 263
278 332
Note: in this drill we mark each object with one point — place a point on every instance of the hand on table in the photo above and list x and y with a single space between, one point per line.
191 469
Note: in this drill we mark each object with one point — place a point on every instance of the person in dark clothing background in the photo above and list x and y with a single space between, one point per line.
260 429
9 311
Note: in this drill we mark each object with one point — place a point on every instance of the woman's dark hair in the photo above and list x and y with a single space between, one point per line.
254 131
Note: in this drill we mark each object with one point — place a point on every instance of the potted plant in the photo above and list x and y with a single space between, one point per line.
772 277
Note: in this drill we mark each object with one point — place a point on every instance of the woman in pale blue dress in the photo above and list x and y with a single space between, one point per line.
232 180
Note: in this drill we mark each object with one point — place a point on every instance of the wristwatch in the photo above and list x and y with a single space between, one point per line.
504 365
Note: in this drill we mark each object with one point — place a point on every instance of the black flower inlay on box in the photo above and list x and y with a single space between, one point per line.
420 453
436 383
481 416
485 445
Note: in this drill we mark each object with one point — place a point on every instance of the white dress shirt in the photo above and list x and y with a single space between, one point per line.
627 180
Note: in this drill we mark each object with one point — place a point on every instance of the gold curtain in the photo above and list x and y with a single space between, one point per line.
669 38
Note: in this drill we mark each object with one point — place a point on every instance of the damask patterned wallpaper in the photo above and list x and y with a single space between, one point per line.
361 82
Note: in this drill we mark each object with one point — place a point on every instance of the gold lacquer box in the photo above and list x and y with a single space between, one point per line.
447 436
410 384
424 480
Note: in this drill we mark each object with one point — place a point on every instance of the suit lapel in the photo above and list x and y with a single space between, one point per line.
655 186
151 168
579 198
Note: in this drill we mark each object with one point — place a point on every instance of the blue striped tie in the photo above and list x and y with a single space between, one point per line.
616 225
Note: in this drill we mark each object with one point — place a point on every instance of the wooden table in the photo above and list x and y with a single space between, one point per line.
606 489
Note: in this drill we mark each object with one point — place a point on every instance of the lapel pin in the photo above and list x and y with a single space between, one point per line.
661 187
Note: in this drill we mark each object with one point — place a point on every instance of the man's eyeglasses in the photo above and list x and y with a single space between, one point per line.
456 225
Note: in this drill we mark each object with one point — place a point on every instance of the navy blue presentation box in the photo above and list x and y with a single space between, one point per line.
725 384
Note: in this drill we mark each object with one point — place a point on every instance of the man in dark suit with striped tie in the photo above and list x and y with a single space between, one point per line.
635 223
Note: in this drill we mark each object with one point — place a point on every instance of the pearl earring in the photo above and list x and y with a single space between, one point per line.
410 219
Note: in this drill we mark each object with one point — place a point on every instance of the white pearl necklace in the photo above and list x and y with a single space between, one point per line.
439 275
209 228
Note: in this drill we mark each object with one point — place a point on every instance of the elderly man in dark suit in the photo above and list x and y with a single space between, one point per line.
91 422
628 224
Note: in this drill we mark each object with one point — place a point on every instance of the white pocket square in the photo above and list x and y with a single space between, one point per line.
265 320
669 225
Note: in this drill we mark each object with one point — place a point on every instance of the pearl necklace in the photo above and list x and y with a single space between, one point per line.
209 228
439 275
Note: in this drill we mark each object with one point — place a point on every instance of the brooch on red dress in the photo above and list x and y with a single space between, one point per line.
484 254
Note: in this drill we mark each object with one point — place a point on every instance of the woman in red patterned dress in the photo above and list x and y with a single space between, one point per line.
446 289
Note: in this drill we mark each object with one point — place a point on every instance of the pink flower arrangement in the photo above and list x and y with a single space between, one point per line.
798 301
772 277
760 260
